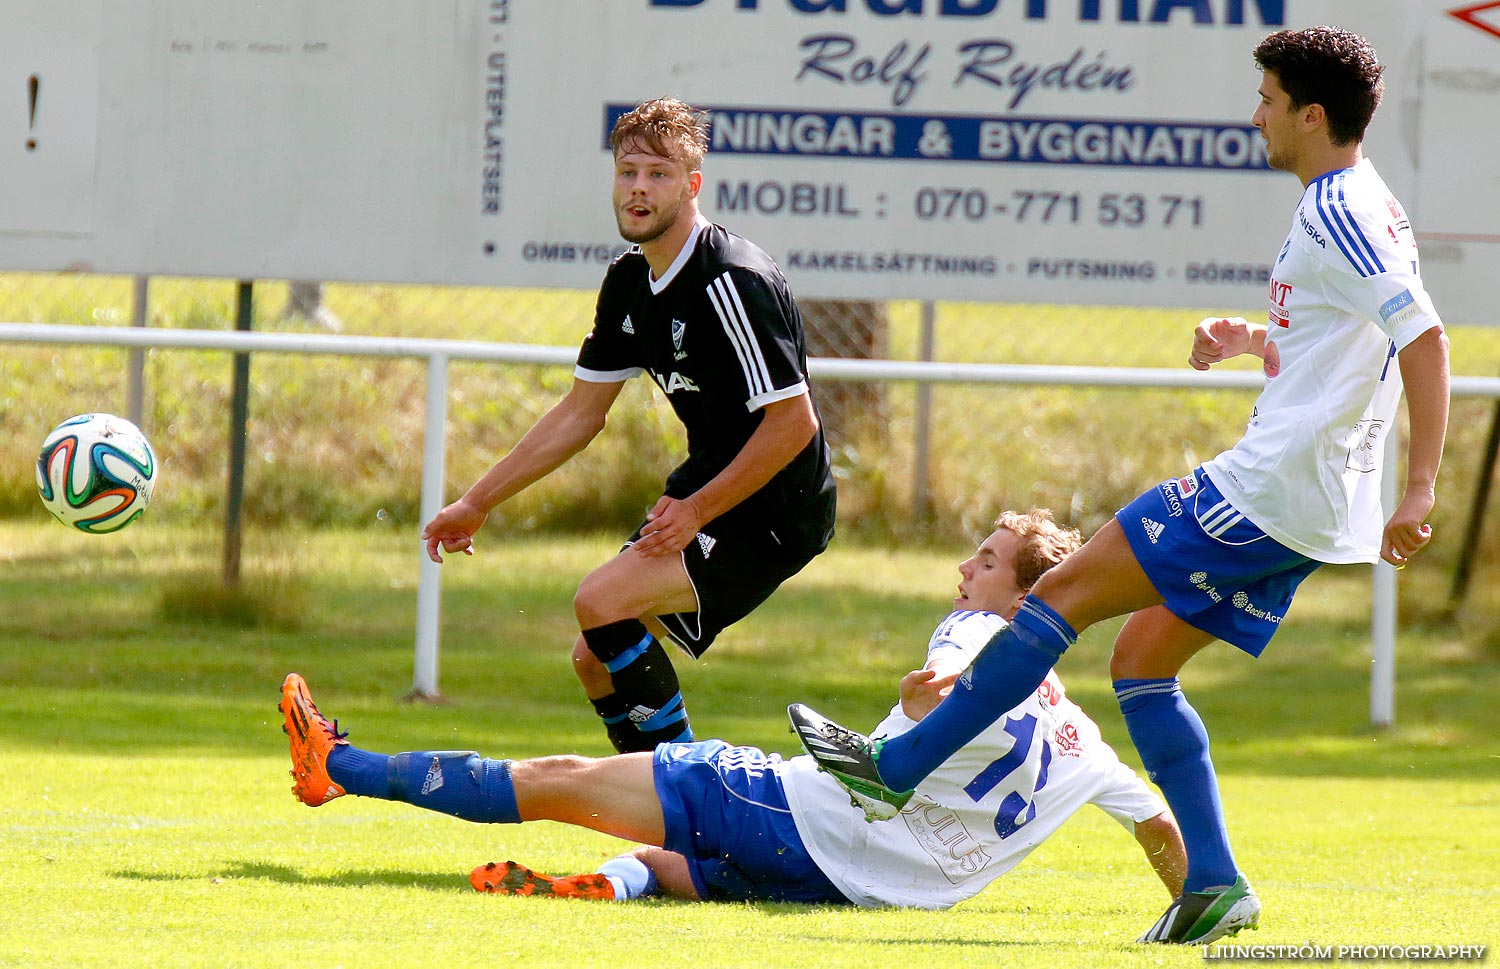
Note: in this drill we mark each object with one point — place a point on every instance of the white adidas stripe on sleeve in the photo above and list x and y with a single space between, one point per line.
732 315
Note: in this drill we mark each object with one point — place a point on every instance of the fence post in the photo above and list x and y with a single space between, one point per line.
1383 609
135 394
921 490
239 417
429 575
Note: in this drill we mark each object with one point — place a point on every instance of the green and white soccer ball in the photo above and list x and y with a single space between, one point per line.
96 473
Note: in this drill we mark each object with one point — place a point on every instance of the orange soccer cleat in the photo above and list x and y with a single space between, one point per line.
513 879
312 737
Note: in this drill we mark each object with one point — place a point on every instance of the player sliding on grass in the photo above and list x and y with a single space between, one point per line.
733 823
1218 553
710 318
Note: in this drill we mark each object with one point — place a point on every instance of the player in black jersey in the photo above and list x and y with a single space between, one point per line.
711 319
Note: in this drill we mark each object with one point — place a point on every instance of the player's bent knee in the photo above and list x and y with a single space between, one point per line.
1129 662
1140 660
584 602
596 602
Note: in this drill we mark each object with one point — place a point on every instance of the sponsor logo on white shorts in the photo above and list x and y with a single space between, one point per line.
1066 741
941 833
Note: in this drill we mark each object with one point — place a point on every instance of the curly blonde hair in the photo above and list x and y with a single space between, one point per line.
1043 542
667 127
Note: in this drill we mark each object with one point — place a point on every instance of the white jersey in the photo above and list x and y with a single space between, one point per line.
980 813
1346 296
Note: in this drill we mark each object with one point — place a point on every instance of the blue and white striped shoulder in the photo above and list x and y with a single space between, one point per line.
1351 220
966 629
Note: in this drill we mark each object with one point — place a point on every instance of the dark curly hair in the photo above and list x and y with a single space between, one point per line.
1329 66
666 126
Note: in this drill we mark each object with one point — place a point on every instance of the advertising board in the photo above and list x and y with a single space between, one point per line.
1061 151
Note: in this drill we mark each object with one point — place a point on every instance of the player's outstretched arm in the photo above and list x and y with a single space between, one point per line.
1424 372
1216 339
561 433
1160 839
783 432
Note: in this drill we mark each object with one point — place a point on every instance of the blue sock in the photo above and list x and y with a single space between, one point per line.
630 877
1173 744
1008 670
456 782
359 772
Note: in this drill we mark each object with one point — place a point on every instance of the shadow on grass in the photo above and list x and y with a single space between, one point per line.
286 875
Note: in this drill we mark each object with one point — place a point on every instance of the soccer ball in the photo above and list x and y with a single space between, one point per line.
96 473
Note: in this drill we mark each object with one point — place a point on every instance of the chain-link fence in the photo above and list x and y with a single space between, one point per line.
337 440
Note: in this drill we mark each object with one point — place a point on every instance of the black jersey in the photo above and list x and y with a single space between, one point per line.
722 337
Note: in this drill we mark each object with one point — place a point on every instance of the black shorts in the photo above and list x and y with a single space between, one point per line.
734 565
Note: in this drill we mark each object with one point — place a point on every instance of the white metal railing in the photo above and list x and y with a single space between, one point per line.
438 354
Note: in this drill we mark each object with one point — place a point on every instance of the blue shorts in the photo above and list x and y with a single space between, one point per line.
1214 567
724 810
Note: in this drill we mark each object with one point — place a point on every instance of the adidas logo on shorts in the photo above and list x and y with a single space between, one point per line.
706 543
1153 529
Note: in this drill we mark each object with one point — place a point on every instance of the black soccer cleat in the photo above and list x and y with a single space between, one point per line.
850 757
1198 918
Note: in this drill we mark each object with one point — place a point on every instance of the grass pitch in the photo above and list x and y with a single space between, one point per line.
147 819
